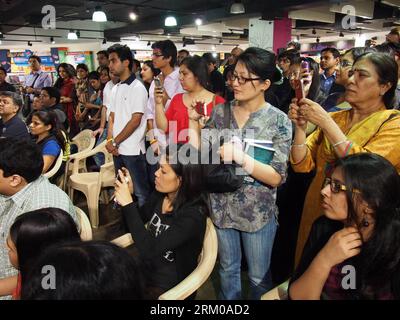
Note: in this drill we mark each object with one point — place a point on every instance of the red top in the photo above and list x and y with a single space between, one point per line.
17 291
178 112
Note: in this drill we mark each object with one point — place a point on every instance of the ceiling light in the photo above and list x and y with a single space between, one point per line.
170 21
237 7
198 22
184 44
214 54
317 40
29 44
133 15
104 41
99 15
52 40
221 41
314 31
72 35
341 34
148 43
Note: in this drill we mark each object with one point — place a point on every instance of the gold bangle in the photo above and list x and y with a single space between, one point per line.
299 145
153 141
339 143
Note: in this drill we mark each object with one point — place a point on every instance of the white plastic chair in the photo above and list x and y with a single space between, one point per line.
278 293
86 230
56 167
91 183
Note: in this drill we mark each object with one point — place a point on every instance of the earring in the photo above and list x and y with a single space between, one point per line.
364 222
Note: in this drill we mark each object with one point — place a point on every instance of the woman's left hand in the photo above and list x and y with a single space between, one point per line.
231 152
122 193
313 112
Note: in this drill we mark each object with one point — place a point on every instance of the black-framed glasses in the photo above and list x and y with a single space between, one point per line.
241 80
336 186
157 54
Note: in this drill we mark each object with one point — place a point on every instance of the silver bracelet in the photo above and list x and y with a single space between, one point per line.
298 145
338 143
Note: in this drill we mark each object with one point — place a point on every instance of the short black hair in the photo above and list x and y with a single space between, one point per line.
86 270
94 75
137 63
198 67
16 98
185 51
168 49
103 52
21 157
295 44
53 93
123 52
209 58
335 52
37 58
290 54
3 69
82 66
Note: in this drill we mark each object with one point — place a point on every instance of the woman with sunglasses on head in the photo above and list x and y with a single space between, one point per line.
249 214
353 250
367 127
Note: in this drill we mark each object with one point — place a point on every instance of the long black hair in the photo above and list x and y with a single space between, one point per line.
185 160
199 68
89 270
69 69
378 184
34 231
50 118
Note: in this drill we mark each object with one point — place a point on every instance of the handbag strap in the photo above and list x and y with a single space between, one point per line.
227 115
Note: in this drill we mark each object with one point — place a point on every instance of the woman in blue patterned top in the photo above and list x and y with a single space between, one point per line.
249 214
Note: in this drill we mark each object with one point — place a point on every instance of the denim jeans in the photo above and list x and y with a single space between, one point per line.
137 168
257 248
99 157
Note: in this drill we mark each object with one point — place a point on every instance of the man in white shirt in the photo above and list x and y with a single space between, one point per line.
126 124
164 57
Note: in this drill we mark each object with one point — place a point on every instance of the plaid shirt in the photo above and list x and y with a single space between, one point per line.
36 195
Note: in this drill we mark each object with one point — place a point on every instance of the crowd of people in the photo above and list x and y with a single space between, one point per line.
326 198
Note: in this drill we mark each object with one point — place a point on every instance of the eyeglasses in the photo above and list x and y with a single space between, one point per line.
241 80
157 55
345 64
336 186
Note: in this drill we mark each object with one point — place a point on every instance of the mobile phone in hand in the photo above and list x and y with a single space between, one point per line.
299 89
201 108
157 83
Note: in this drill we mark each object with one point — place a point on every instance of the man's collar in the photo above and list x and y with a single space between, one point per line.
128 81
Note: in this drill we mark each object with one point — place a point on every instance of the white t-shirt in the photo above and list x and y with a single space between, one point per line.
107 97
129 97
172 86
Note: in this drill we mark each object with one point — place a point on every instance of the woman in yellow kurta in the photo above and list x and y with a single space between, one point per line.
368 127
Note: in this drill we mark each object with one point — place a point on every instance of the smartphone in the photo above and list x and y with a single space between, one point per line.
157 83
305 65
201 108
299 89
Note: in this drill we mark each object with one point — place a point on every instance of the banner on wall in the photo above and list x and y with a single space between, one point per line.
5 60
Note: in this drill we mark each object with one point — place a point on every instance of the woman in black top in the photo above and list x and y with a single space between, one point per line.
176 215
353 251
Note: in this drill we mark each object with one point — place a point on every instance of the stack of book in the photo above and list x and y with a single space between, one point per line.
260 150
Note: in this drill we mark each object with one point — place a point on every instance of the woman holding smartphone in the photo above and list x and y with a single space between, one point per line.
176 215
193 75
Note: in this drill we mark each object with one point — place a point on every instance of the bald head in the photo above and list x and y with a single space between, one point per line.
235 53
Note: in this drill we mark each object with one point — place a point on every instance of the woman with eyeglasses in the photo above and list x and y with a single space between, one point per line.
193 76
249 214
369 126
353 250
336 101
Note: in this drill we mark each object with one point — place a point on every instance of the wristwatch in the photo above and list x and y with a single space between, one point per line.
114 144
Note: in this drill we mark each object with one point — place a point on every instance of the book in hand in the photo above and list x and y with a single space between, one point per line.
260 150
